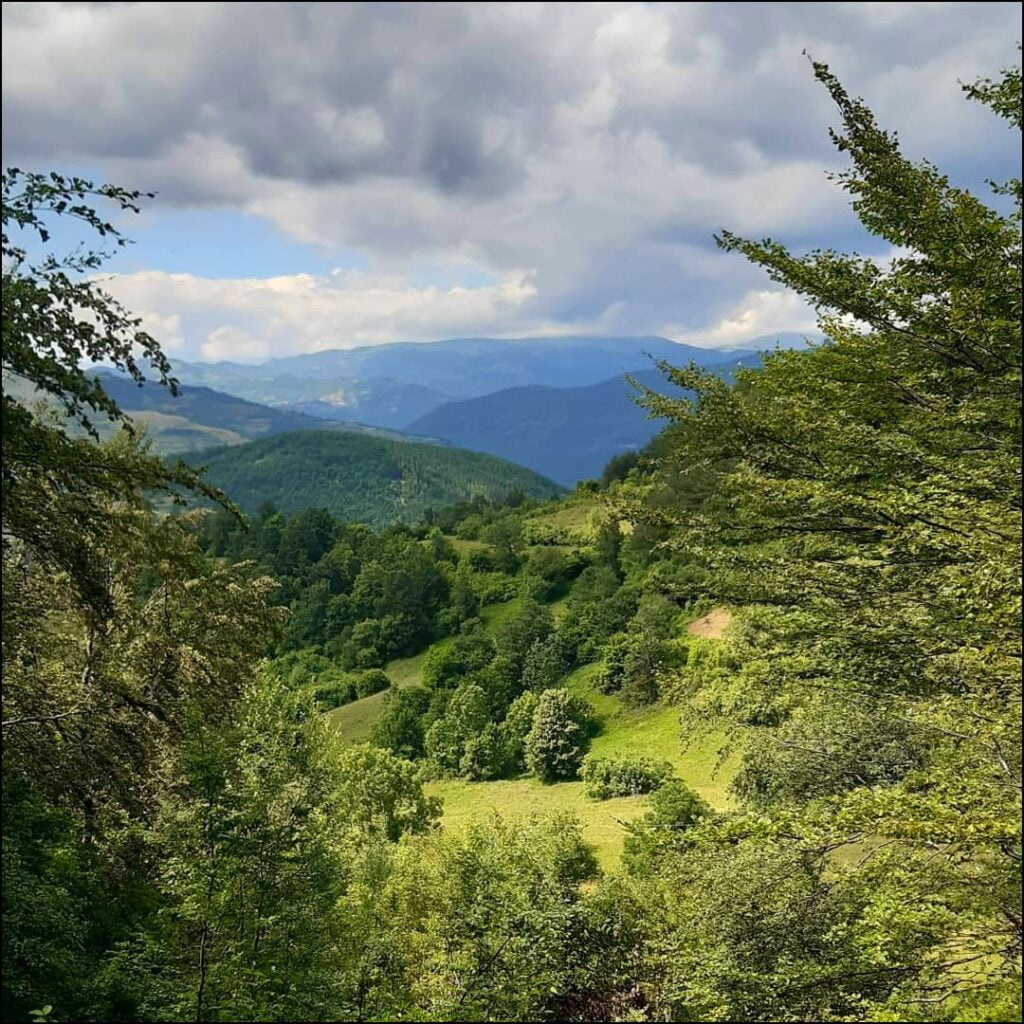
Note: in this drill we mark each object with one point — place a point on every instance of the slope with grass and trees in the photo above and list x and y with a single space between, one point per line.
732 733
358 477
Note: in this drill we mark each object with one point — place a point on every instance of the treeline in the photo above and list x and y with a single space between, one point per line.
358 477
183 838
358 599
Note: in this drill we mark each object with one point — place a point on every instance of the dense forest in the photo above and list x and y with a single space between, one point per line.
188 834
367 479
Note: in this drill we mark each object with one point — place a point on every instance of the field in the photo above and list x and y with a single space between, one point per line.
572 520
654 732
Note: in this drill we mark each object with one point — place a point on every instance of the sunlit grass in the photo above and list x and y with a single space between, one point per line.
654 732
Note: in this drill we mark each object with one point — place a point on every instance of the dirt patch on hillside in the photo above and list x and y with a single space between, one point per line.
713 625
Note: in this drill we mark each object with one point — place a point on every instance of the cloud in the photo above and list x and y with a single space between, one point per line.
166 328
227 342
591 149
760 312
249 319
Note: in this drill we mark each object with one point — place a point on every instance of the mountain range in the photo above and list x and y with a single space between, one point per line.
394 385
518 415
567 434
200 417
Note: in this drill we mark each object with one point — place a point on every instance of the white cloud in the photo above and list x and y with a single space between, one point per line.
248 319
581 155
761 312
227 342
166 328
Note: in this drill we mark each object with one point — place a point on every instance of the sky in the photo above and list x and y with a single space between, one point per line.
332 175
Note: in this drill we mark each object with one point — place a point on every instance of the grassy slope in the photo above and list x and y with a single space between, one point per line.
354 721
654 732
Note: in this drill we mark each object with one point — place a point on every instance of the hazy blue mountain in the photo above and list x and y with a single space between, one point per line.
567 434
384 402
362 478
392 385
201 417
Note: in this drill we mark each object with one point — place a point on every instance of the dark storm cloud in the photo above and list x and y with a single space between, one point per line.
594 148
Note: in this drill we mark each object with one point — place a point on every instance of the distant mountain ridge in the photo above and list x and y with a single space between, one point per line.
394 385
567 434
362 478
201 417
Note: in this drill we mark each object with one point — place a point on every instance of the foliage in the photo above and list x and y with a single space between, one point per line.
674 810
400 727
57 320
483 919
557 740
249 866
605 777
465 716
381 794
865 494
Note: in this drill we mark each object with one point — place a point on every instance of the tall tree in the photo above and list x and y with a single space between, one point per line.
57 322
867 507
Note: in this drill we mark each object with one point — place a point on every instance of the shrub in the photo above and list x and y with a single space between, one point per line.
674 810
606 777
333 693
516 727
485 755
551 570
557 740
545 664
400 726
372 681
484 560
465 716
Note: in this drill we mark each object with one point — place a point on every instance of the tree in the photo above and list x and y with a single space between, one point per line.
546 663
465 716
516 727
483 919
57 321
674 809
399 727
864 499
504 537
381 794
531 623
557 740
250 870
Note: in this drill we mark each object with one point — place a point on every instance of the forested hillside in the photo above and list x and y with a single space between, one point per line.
730 734
566 434
363 478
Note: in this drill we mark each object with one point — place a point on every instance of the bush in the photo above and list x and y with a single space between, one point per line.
606 777
372 681
516 727
674 810
400 726
334 693
466 715
483 560
551 570
447 664
485 755
557 740
546 663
